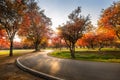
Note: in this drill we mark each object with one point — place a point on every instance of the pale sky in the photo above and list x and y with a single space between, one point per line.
58 10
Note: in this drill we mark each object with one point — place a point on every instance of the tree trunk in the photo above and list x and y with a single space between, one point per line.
92 46
99 49
72 51
60 46
101 46
11 48
37 47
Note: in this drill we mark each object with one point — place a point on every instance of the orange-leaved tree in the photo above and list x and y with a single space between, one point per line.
111 17
87 40
105 36
36 25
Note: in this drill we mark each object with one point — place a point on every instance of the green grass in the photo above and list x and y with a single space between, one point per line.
107 55
86 49
15 52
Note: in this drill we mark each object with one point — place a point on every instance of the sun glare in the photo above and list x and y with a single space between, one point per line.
17 39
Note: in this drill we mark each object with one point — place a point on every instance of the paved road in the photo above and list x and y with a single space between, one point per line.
71 69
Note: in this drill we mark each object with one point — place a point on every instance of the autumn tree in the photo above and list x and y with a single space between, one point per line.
56 42
36 25
89 39
81 43
111 17
74 29
11 12
104 36
26 43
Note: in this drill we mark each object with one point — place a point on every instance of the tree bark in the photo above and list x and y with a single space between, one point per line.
11 48
37 47
60 46
101 46
72 51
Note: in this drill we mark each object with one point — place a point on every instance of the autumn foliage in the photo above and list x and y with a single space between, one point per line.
87 40
111 18
103 37
4 43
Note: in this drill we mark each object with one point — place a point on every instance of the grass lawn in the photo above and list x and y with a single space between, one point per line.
107 55
15 52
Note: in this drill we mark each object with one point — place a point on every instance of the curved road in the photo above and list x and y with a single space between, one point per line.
71 69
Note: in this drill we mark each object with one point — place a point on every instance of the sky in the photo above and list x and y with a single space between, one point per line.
58 10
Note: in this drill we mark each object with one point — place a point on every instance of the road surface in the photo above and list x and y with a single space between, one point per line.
71 69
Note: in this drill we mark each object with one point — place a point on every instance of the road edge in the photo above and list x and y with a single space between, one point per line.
34 72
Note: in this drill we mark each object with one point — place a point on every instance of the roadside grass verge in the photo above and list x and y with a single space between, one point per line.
107 55
15 52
